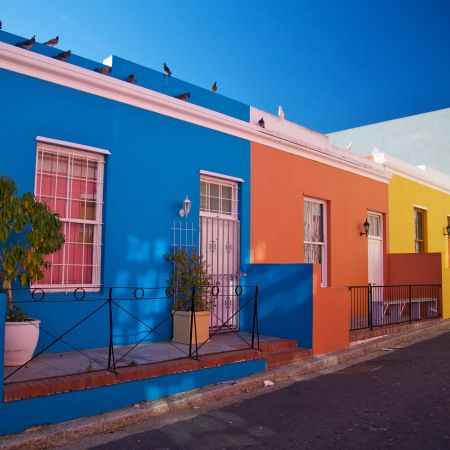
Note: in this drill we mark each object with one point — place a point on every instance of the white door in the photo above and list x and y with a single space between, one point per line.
219 247
375 250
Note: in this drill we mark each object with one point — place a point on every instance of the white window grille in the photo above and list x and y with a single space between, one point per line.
70 182
218 198
315 229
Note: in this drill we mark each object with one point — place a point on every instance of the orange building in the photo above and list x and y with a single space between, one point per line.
312 202
309 202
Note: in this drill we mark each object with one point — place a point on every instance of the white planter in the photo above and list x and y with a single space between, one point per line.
21 339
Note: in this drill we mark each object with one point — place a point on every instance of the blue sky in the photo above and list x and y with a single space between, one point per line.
331 64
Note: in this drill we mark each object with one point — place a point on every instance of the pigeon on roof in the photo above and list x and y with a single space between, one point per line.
167 70
261 123
280 112
186 96
52 42
132 78
63 56
28 44
214 87
103 70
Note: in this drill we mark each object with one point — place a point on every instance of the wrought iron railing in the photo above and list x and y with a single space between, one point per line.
153 329
376 306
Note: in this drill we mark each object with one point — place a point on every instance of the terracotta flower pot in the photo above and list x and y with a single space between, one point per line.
21 339
182 326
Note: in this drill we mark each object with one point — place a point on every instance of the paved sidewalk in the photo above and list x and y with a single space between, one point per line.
204 398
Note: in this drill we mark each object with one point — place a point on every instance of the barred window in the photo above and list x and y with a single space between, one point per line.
70 182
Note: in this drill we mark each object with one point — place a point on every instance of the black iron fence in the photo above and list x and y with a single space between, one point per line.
376 306
104 314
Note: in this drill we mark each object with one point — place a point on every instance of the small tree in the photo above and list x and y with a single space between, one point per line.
28 232
189 270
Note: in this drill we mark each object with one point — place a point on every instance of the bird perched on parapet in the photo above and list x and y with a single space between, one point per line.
214 87
132 78
261 123
63 56
103 70
28 44
186 96
52 42
349 147
167 70
280 112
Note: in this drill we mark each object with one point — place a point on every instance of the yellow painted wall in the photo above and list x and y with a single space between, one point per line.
403 195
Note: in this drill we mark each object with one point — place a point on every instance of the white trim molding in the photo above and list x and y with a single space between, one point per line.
49 69
219 175
423 208
422 174
72 145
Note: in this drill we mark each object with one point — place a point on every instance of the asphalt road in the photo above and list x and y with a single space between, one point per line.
399 400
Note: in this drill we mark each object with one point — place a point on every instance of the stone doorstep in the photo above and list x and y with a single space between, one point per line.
366 334
23 390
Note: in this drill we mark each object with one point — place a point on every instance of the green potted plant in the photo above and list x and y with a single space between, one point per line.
28 232
189 272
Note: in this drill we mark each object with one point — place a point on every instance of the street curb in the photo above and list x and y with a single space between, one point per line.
51 436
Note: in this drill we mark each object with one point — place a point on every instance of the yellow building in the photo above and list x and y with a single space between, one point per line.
419 212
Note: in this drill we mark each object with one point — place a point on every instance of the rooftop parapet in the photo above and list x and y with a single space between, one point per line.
146 77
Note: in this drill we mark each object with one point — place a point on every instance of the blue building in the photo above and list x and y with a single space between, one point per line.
134 172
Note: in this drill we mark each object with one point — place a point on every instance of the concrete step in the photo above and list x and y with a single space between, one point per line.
286 356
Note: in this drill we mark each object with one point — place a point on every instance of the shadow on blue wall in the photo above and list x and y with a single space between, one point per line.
285 296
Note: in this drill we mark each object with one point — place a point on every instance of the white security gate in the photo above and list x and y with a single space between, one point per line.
219 247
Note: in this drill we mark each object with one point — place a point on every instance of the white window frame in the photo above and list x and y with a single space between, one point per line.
380 216
234 215
324 244
77 151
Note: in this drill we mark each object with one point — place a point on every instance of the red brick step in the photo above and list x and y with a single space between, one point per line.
286 356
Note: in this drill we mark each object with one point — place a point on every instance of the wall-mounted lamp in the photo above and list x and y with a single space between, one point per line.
447 228
366 226
186 209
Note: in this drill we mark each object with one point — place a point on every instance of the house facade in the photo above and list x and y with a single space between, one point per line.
308 205
135 172
419 210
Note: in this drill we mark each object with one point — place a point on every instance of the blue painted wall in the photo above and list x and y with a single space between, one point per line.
154 162
285 296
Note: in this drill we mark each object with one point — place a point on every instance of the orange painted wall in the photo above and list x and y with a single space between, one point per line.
415 268
331 311
280 181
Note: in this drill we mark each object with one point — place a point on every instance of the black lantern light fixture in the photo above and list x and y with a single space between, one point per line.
366 226
447 228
